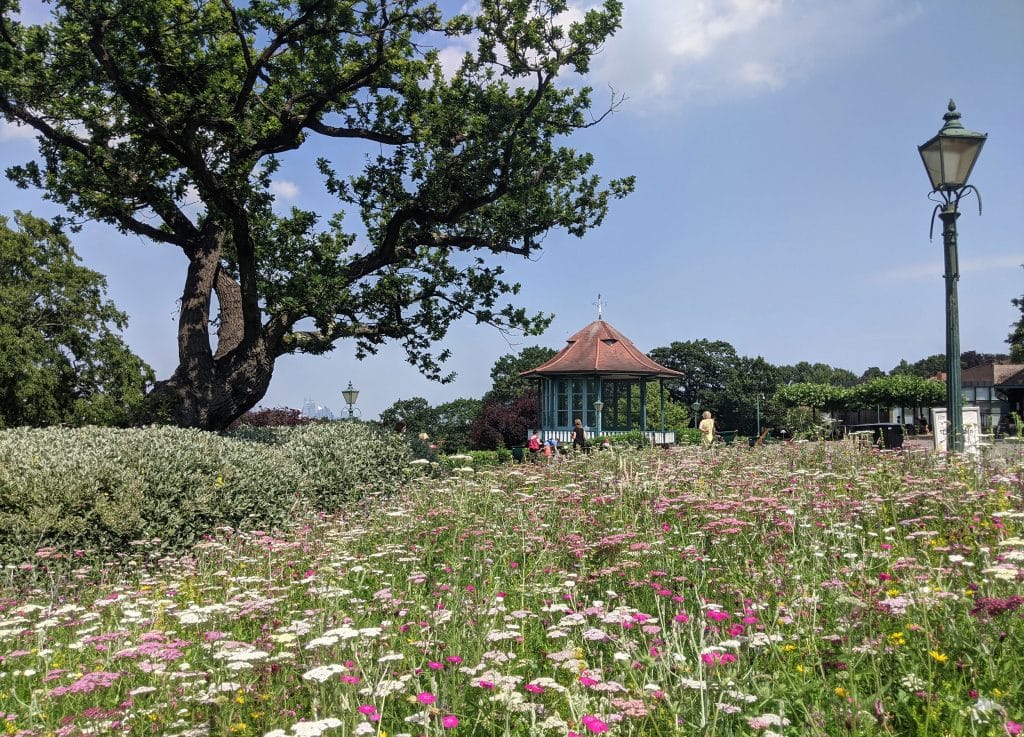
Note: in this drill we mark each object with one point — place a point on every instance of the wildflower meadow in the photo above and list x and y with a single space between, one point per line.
815 589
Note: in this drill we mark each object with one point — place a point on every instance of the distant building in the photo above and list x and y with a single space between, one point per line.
315 411
996 389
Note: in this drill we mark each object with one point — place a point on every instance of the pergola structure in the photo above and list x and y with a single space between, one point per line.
601 378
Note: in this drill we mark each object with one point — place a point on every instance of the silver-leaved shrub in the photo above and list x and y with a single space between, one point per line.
105 489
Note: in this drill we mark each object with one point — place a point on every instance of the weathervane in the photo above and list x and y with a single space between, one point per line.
600 306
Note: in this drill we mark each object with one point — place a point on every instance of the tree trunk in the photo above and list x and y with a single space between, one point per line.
211 400
211 389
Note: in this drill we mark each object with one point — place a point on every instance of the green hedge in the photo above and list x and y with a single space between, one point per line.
100 489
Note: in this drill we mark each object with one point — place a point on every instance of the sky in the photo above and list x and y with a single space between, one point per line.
781 204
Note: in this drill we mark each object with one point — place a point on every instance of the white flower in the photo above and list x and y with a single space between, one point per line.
323 672
315 729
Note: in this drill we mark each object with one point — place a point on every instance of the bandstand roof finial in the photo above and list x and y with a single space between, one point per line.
600 306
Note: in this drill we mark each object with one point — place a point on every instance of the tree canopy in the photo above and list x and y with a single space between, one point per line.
1016 337
170 118
508 385
62 359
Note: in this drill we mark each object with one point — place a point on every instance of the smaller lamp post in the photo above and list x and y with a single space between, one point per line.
598 406
760 396
351 394
949 156
696 419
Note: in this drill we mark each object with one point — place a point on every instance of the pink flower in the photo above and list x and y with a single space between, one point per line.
434 665
718 658
1014 728
368 709
426 698
449 721
533 688
682 617
594 724
718 615
588 681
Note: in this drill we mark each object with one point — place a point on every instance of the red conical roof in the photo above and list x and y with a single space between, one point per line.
601 349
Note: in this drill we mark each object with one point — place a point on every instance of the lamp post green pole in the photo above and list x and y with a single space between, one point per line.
948 157
954 391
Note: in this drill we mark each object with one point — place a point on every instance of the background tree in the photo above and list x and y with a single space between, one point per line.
507 384
899 390
453 422
62 359
504 424
750 386
816 373
1016 337
416 413
708 365
141 107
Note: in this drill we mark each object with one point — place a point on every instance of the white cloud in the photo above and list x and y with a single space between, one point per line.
284 190
673 51
15 132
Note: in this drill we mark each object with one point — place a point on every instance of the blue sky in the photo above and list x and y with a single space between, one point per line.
781 204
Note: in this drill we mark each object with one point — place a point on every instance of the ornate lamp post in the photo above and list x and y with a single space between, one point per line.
949 157
351 394
598 406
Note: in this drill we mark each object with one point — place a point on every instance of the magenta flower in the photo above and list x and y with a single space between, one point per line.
718 658
594 724
368 709
449 721
1014 728
426 697
533 688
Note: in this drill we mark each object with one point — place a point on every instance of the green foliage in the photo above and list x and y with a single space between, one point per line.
415 414
162 103
62 360
730 386
1016 337
816 373
814 396
340 462
688 436
100 489
899 390
507 384
453 422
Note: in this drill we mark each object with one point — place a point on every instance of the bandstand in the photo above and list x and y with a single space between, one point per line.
595 379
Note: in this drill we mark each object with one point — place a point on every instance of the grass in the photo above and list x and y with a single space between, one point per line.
814 589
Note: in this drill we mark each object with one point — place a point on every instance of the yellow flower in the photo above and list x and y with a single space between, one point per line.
841 692
893 592
788 648
799 669
938 657
897 638
238 727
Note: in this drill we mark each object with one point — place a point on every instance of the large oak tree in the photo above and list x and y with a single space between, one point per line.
143 107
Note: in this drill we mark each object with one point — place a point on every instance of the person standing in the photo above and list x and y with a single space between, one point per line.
707 429
534 445
579 435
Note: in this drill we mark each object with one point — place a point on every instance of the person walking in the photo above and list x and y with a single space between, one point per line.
579 435
707 430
